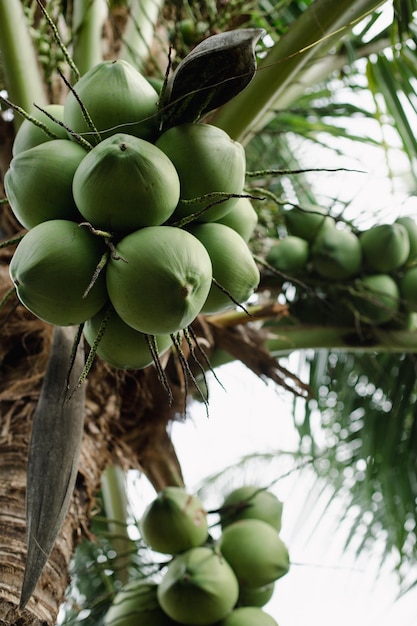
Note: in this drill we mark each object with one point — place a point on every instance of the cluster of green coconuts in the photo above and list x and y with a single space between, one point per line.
137 231
377 267
224 581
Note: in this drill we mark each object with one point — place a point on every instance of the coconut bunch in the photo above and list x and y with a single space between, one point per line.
222 582
372 273
132 231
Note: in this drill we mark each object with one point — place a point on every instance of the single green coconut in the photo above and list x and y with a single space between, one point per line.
121 346
408 288
208 161
198 587
410 226
336 254
385 247
255 596
52 268
248 616
174 521
289 255
125 183
137 603
251 502
30 135
255 552
38 183
234 268
242 217
307 222
377 298
159 279
117 98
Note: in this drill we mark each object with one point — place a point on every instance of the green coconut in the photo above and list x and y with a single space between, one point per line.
30 135
174 521
198 587
410 226
289 255
385 247
38 183
208 161
255 596
52 268
125 183
117 98
377 298
408 289
255 552
233 266
121 346
307 222
137 603
251 502
242 217
248 616
161 279
336 254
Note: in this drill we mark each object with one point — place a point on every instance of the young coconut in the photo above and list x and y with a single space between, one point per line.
120 345
408 289
118 99
376 299
248 616
30 135
289 255
174 521
234 268
307 222
385 247
38 183
198 588
410 226
336 254
159 279
255 552
137 603
125 183
242 217
255 596
251 502
52 268
208 161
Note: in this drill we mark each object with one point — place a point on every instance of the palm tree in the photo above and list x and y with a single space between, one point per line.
311 48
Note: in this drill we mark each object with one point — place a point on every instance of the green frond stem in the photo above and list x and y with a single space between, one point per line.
222 196
80 140
289 339
84 111
27 116
140 31
6 297
153 349
115 501
11 242
312 34
24 80
58 40
88 19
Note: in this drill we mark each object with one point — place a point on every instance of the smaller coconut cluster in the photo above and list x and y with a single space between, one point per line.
372 274
131 231
214 582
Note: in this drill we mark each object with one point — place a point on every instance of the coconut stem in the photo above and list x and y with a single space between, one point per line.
153 349
11 242
80 140
224 196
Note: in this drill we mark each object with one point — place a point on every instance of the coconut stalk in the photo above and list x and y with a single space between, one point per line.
313 34
139 32
88 19
24 78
